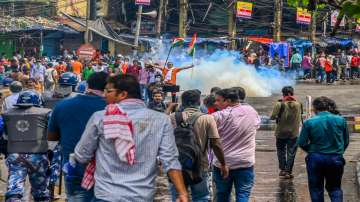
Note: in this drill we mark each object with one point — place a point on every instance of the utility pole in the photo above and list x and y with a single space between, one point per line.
312 31
159 20
138 24
325 24
277 20
232 25
165 15
86 37
41 49
183 18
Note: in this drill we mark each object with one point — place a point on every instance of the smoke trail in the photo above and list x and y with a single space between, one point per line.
224 68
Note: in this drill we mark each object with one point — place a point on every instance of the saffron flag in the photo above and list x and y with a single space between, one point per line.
177 42
191 49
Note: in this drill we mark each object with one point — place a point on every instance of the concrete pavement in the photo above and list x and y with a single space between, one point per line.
270 188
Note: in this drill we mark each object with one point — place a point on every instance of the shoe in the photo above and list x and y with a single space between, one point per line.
283 173
289 176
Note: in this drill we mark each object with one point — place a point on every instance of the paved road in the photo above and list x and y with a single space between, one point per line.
269 187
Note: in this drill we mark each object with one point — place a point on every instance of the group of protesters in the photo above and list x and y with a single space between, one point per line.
323 67
107 126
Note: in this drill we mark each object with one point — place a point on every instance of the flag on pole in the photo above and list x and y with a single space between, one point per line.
177 42
191 49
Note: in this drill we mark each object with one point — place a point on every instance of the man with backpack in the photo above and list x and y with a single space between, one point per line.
287 112
195 133
237 124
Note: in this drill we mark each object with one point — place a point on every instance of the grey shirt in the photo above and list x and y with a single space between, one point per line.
116 181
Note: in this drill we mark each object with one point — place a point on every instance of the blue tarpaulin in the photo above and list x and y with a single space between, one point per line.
282 49
336 42
300 45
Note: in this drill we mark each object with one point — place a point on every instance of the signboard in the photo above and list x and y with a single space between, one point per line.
147 27
303 16
244 9
143 2
334 16
86 52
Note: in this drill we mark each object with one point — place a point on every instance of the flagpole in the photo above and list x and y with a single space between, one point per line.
193 63
167 58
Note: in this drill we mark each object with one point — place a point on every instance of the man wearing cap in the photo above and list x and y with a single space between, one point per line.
67 83
67 125
10 101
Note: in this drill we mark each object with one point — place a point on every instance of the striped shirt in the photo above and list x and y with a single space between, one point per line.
117 181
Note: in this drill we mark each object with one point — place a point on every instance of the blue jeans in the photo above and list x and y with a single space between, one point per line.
325 167
144 93
242 178
77 194
199 192
320 75
307 73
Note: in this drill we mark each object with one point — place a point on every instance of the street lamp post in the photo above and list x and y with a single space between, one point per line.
137 32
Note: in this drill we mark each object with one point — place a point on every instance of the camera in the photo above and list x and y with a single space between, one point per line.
171 88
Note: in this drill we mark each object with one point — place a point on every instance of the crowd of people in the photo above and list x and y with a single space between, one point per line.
324 67
108 127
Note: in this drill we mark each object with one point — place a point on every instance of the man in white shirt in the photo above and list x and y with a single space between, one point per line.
50 77
10 101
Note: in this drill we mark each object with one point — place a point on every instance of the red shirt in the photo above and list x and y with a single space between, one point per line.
134 70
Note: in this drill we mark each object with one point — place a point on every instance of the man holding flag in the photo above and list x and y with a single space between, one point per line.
170 72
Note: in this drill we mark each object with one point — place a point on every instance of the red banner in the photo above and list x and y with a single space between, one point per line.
143 2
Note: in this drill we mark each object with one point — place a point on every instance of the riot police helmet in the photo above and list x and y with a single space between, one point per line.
7 81
28 98
68 79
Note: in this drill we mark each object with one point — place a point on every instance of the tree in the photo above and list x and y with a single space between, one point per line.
350 8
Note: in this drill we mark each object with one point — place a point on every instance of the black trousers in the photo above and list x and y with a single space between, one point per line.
286 152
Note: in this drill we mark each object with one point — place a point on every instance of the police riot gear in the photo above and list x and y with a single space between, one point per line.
28 98
68 79
26 129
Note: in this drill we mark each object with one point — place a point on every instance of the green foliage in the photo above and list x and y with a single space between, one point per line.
352 9
298 3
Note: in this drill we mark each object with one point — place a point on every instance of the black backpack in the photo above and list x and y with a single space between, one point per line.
189 148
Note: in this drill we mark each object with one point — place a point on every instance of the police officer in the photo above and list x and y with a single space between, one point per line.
67 83
5 91
26 128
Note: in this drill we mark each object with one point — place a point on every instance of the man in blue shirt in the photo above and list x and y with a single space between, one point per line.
67 124
325 138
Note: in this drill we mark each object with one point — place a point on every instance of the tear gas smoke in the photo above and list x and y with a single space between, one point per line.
224 68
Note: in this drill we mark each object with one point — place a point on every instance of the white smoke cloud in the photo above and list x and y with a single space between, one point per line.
225 69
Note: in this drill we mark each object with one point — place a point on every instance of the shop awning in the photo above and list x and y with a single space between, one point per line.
101 28
22 24
260 40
